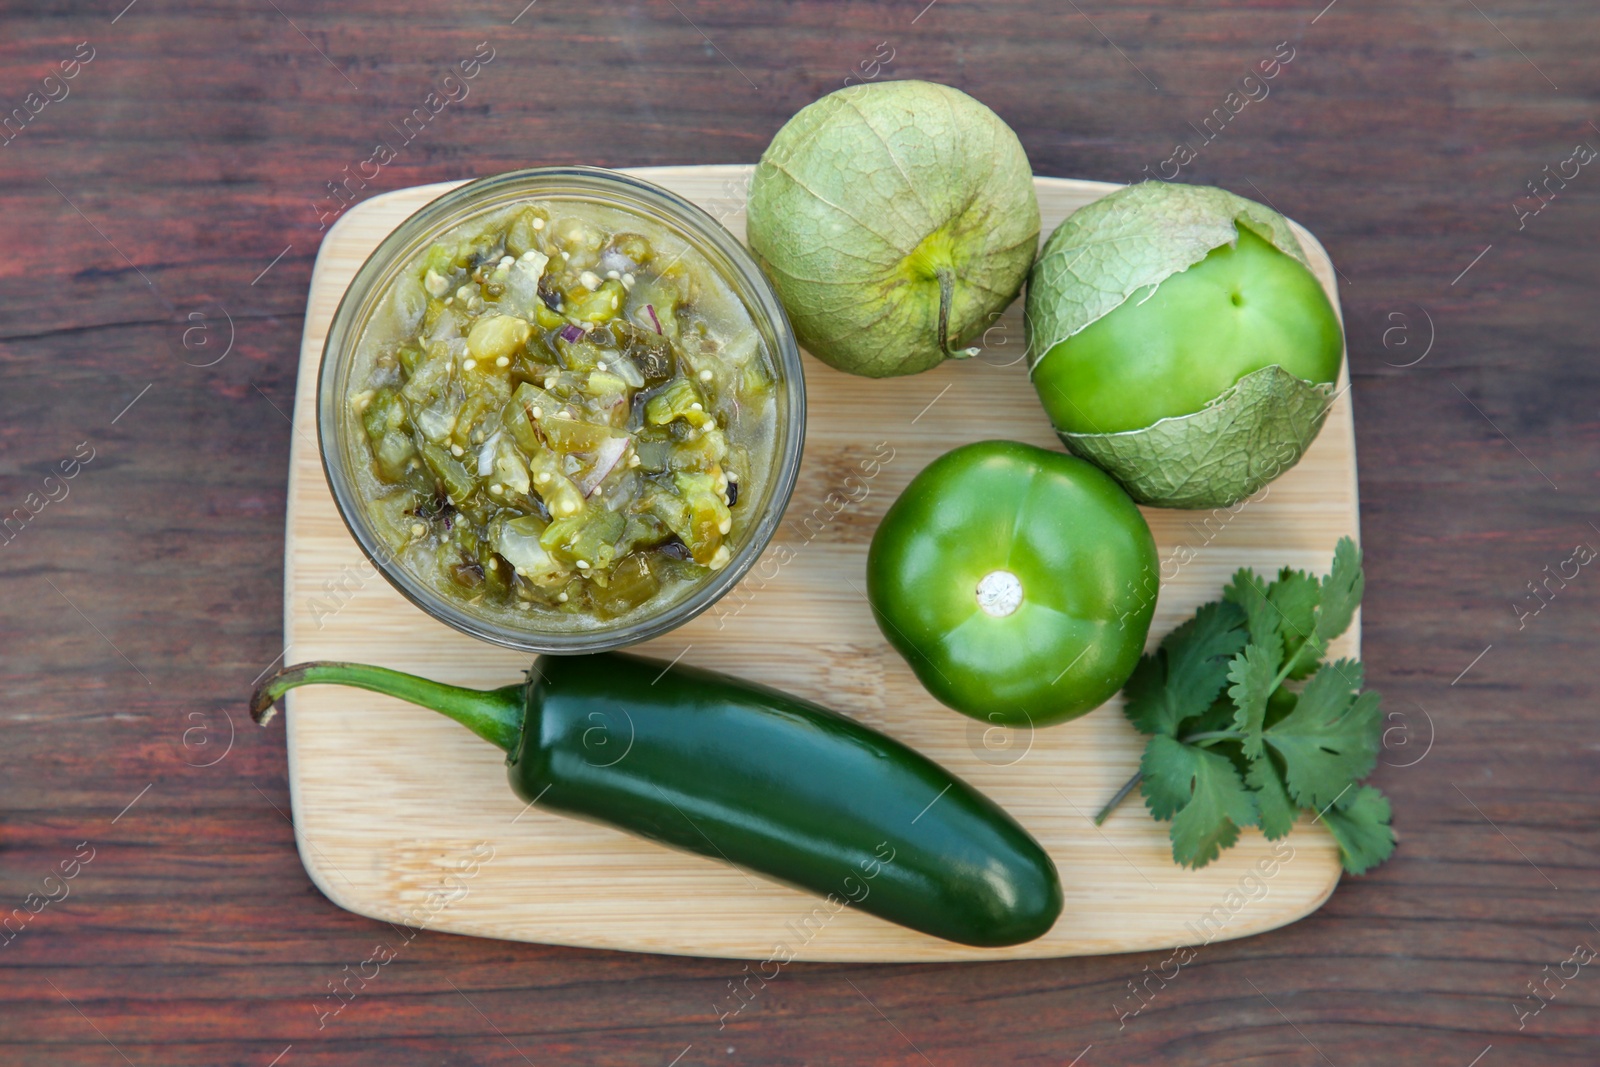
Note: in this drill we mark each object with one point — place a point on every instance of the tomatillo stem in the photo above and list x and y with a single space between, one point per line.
999 593
947 297
494 714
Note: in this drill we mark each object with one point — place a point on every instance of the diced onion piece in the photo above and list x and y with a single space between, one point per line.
629 371
486 456
518 542
435 421
606 457
739 351
508 467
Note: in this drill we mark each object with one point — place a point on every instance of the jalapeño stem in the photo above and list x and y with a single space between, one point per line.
494 714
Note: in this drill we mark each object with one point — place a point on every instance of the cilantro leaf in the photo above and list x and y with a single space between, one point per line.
1201 793
1231 745
1272 799
1167 784
1360 823
1219 716
1249 592
1279 704
1200 831
1341 594
1295 596
1330 739
1252 673
1185 674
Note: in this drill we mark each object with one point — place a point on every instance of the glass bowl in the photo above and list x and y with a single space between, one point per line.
344 455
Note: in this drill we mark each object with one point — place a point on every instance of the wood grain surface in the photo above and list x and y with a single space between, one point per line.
169 204
799 621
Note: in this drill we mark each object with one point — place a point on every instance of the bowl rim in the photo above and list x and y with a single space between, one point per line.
699 229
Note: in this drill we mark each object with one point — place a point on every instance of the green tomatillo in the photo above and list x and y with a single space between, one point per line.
896 220
1017 582
1180 341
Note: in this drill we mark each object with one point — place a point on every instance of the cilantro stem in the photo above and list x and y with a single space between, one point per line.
1289 662
1133 783
1212 735
1121 795
1283 675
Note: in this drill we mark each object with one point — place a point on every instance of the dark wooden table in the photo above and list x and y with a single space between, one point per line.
169 197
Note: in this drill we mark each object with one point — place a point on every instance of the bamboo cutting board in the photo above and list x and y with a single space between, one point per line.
403 816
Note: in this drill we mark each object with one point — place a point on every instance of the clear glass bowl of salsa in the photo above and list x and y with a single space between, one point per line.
561 409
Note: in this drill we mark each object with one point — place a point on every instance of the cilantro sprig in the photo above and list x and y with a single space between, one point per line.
1249 725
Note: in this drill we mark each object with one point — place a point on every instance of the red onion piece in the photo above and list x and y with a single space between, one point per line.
571 333
606 457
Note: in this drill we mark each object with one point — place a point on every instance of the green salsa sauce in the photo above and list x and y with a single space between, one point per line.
567 416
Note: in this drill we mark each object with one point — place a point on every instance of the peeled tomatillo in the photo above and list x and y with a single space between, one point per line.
1180 341
1175 350
1018 583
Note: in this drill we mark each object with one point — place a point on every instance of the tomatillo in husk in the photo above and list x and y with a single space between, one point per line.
1180 341
896 220
1017 582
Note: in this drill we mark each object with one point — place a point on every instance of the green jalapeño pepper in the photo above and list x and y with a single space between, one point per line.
1018 583
750 776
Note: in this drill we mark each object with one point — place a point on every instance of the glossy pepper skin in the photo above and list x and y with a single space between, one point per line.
1017 582
751 776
